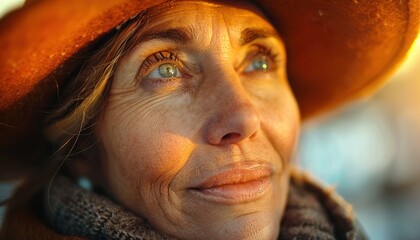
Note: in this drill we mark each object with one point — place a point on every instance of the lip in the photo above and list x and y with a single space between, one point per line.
236 185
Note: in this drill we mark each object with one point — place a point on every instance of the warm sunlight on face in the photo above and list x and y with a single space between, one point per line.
201 124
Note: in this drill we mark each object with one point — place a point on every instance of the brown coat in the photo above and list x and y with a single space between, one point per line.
311 211
24 224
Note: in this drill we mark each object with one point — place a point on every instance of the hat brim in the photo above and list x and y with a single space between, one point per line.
340 50
336 49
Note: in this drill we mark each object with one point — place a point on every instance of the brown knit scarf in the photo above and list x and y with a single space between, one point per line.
311 213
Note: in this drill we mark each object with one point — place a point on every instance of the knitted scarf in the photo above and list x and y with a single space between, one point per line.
311 213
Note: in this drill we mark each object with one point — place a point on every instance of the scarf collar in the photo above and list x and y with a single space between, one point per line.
311 213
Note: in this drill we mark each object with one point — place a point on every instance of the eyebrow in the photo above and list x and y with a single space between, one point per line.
184 35
249 35
181 35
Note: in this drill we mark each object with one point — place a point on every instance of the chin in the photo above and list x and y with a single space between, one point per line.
210 217
258 226
241 222
253 223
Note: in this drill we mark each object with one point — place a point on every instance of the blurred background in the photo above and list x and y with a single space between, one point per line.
369 150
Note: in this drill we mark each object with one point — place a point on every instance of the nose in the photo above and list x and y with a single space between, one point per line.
236 118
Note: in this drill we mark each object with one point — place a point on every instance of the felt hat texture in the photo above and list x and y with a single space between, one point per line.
336 50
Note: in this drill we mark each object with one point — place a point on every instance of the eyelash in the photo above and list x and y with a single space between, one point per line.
157 58
265 51
269 53
172 56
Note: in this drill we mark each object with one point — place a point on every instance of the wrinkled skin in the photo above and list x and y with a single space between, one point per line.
202 152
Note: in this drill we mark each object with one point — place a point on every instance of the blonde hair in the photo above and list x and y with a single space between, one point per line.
85 96
69 127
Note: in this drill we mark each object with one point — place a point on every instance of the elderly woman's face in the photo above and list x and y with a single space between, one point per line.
200 124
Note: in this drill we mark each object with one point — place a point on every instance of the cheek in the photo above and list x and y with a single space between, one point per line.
143 154
281 122
162 153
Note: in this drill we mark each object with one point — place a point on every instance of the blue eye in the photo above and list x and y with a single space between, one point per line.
166 70
259 64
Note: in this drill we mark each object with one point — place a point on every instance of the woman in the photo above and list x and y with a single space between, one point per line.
181 115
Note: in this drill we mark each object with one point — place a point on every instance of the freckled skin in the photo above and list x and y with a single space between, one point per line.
158 139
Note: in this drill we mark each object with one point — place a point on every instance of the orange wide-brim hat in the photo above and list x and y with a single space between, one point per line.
337 50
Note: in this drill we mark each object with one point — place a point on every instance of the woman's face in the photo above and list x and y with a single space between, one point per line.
201 124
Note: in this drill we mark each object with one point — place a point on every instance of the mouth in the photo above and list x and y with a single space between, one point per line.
236 185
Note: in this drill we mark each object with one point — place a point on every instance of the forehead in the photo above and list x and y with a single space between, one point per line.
219 5
203 17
